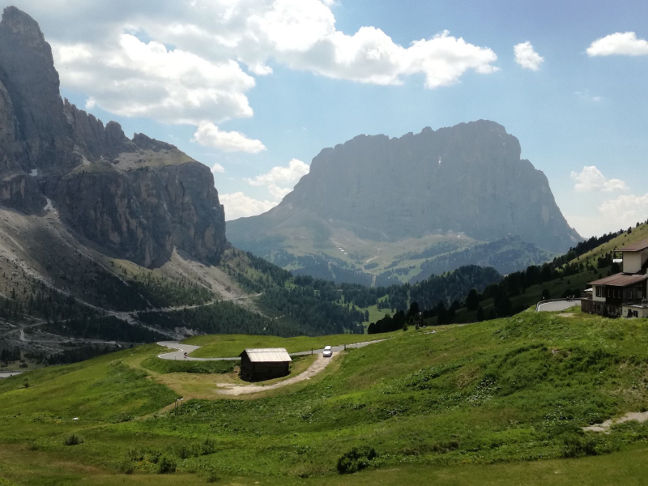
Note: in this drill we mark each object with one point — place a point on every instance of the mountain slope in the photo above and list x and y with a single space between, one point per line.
369 202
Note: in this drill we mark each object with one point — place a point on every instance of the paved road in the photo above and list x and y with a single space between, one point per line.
181 349
557 305
7 374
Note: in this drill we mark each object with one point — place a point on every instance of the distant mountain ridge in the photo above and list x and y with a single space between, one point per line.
372 196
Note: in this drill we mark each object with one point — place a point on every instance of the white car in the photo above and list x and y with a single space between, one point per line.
328 352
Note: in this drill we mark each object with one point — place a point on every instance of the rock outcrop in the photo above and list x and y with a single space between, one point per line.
468 179
137 199
374 192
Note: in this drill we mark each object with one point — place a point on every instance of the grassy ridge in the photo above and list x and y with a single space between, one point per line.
502 391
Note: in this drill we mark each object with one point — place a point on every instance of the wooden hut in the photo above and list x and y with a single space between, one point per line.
264 363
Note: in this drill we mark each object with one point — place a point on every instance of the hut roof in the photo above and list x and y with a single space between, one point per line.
267 355
637 246
621 279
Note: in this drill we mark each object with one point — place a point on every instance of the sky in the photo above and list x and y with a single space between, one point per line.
255 89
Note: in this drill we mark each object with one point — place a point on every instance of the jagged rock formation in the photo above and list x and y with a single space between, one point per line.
136 199
466 181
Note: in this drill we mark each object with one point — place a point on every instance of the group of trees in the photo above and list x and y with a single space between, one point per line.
440 297
400 320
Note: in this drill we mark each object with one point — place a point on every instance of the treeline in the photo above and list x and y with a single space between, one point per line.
400 320
166 292
73 355
304 304
9 354
439 298
38 300
220 318
322 307
317 311
517 283
109 328
436 297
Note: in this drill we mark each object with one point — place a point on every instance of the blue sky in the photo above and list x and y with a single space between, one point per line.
255 89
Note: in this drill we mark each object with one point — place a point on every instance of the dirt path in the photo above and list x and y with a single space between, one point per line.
628 417
317 367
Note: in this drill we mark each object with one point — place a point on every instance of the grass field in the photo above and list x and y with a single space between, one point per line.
500 402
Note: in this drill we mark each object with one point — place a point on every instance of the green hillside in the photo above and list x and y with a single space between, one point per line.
567 275
498 402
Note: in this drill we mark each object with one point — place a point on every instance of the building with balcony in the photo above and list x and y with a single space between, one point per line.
624 294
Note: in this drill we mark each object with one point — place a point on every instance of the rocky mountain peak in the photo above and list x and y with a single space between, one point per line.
22 28
138 199
28 75
374 201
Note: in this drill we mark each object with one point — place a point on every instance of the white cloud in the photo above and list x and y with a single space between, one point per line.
216 168
210 135
620 44
585 95
280 180
192 61
527 57
146 79
590 178
625 210
238 205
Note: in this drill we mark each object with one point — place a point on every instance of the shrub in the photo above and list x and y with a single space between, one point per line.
356 459
185 452
135 455
73 440
153 456
207 447
212 477
577 445
126 467
166 465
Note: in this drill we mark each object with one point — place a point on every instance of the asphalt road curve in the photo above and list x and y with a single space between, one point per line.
557 305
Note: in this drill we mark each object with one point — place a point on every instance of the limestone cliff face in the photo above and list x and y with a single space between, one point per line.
145 213
468 178
380 209
28 75
136 199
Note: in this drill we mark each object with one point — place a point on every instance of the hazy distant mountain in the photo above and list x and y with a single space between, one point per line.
379 208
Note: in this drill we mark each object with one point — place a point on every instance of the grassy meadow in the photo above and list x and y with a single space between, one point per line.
499 402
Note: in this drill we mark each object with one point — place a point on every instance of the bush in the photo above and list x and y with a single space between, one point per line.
577 445
356 459
207 447
166 465
126 467
73 440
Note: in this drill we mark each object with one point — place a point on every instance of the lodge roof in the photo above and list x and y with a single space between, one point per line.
637 246
267 355
621 279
